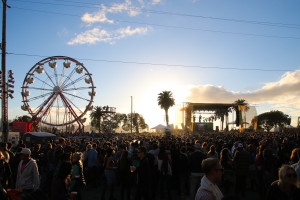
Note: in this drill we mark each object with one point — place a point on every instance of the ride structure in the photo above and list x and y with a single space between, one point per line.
58 91
107 115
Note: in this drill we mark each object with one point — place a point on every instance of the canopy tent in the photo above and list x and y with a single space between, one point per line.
159 126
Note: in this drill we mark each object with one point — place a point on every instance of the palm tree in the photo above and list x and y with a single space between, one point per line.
165 101
241 102
95 116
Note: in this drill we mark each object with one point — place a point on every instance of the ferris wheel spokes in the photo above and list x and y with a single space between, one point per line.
43 81
80 88
41 107
72 83
76 96
35 88
62 75
68 77
73 104
55 74
49 77
38 97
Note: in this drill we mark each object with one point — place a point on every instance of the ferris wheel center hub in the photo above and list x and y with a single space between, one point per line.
56 89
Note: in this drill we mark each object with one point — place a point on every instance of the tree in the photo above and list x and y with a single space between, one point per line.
95 116
165 101
138 122
242 105
109 125
272 119
241 102
220 114
24 118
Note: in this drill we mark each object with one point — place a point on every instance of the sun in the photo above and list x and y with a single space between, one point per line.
147 105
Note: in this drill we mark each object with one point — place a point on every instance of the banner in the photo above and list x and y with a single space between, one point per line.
243 108
20 127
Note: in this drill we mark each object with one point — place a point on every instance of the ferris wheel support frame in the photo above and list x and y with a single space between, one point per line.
80 124
34 117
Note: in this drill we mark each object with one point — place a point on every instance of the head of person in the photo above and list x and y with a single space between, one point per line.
212 149
204 145
2 158
109 152
62 141
225 154
197 146
25 154
142 152
240 147
295 155
89 147
49 146
213 169
94 145
76 157
287 176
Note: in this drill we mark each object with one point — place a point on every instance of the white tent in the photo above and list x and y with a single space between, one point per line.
159 126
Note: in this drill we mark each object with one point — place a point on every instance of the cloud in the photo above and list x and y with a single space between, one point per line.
283 95
288 87
101 15
105 16
154 2
97 35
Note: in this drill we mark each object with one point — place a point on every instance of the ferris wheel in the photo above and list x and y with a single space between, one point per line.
58 91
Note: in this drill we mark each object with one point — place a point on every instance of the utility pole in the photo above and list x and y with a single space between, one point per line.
131 117
3 67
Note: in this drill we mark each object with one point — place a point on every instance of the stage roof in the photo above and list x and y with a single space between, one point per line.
209 106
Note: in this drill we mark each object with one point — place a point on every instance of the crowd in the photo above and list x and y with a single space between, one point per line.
207 166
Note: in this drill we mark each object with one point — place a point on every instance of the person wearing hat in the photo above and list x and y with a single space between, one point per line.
28 175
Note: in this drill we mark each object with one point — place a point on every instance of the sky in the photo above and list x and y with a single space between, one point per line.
202 51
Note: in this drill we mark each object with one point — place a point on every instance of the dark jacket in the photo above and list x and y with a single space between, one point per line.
143 171
241 162
274 193
195 161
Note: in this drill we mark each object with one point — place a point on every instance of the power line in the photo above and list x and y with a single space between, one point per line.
264 23
57 4
160 64
169 26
